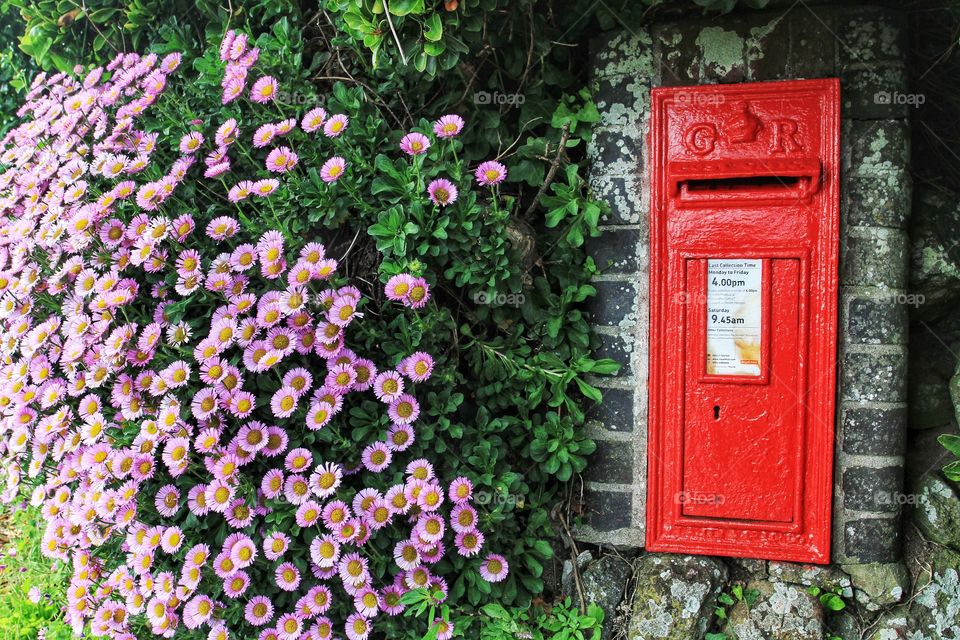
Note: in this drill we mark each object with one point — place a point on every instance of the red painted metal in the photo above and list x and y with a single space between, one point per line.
741 449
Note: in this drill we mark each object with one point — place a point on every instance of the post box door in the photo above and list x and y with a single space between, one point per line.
744 233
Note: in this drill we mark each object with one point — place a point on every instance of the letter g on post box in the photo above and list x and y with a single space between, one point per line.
744 229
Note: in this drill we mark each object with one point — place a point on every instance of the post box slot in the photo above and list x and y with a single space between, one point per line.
781 187
745 181
751 183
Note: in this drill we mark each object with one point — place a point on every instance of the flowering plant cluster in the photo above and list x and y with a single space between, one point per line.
172 380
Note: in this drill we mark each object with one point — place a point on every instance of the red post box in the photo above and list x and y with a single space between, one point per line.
744 229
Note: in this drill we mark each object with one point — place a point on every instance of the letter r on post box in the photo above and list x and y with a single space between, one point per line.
744 231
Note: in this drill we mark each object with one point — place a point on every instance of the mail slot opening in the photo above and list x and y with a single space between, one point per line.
757 189
746 183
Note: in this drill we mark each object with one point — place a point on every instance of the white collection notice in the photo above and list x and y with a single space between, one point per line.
734 317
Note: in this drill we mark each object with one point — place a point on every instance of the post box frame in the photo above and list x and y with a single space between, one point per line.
806 538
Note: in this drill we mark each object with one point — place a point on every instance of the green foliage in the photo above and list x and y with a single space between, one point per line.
16 69
726 600
952 444
57 34
21 531
831 599
561 622
513 379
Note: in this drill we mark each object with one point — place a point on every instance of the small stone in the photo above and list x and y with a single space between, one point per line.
936 607
843 625
892 625
938 510
783 611
567 588
809 575
604 582
935 263
675 596
752 567
877 585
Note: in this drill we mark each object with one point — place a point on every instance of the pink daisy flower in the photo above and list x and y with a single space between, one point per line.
258 611
240 191
313 119
275 545
191 142
367 602
222 227
264 135
298 379
494 568
358 627
404 410
289 627
461 490
264 188
444 629
298 460
272 483
448 126
442 192
333 169
286 126
391 600
463 518
281 160
226 133
418 295
325 551
417 366
183 226
236 584
325 479
400 437
388 386
319 415
414 144
308 514
284 402
287 576
398 287
490 173
377 457
406 555
264 90
336 125
167 500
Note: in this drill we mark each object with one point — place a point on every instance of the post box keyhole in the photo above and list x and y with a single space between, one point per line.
716 412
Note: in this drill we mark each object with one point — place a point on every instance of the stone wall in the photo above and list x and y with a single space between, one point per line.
865 48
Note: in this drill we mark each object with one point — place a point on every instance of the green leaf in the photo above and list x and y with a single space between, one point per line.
433 28
952 471
589 391
405 7
832 601
951 443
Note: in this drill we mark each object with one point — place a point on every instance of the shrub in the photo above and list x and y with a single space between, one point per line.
505 405
176 384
